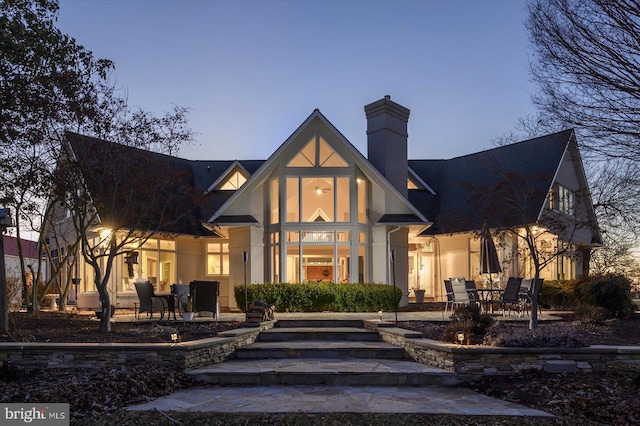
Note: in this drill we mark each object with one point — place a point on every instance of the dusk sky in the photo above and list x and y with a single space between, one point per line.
253 71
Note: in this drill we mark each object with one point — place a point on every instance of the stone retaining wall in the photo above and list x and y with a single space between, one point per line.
472 362
181 356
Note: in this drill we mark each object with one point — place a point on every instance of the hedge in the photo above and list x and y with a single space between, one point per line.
610 291
318 297
558 294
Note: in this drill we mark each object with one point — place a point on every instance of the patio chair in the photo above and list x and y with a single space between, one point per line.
511 296
181 292
460 295
449 289
526 292
472 290
149 302
205 296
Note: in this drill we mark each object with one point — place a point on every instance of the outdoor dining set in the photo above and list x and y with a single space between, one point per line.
515 296
197 296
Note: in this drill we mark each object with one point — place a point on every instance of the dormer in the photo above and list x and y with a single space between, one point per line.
232 179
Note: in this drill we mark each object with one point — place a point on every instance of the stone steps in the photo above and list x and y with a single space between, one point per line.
355 323
334 372
321 352
337 334
324 349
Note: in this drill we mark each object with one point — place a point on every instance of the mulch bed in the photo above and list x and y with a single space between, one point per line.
614 332
57 327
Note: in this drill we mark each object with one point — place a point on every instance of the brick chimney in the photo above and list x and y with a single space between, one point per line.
387 140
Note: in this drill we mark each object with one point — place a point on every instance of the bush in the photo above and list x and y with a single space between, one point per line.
470 320
589 314
558 294
318 297
609 291
539 338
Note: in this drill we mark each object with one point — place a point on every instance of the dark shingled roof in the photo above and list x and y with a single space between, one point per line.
455 181
193 176
458 180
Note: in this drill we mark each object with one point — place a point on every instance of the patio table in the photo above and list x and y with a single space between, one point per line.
171 302
488 296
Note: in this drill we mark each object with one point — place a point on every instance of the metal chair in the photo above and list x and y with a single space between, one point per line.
472 290
460 294
511 295
449 289
526 292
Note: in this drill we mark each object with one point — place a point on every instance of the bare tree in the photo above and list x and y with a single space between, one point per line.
49 84
507 203
47 81
586 61
615 191
120 195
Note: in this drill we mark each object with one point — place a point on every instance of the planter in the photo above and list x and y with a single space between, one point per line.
419 296
188 316
99 312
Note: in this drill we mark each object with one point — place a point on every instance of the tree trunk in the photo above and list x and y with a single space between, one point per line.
105 302
533 321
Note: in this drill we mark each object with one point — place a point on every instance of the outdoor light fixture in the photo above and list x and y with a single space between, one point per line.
460 337
380 315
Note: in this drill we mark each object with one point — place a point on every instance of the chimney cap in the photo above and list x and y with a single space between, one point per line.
386 106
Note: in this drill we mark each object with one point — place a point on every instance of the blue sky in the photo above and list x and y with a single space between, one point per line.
252 71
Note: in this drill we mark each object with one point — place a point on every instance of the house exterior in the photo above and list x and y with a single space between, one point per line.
319 210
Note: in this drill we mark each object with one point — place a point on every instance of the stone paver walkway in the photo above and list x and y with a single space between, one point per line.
337 399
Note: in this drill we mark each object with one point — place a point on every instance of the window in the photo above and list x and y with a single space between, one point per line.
235 181
362 200
318 199
411 185
563 200
317 153
314 256
274 200
217 258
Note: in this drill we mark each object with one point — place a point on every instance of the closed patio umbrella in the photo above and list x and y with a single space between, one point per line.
489 262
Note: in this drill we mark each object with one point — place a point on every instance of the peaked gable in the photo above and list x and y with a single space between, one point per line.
330 149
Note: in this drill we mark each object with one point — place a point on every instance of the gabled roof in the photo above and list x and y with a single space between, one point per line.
360 161
454 181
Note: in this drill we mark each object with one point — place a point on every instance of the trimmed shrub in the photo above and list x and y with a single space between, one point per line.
558 294
609 291
470 320
318 297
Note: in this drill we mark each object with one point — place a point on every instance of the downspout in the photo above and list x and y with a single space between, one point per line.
389 252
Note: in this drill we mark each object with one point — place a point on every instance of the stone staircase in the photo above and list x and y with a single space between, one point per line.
321 352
